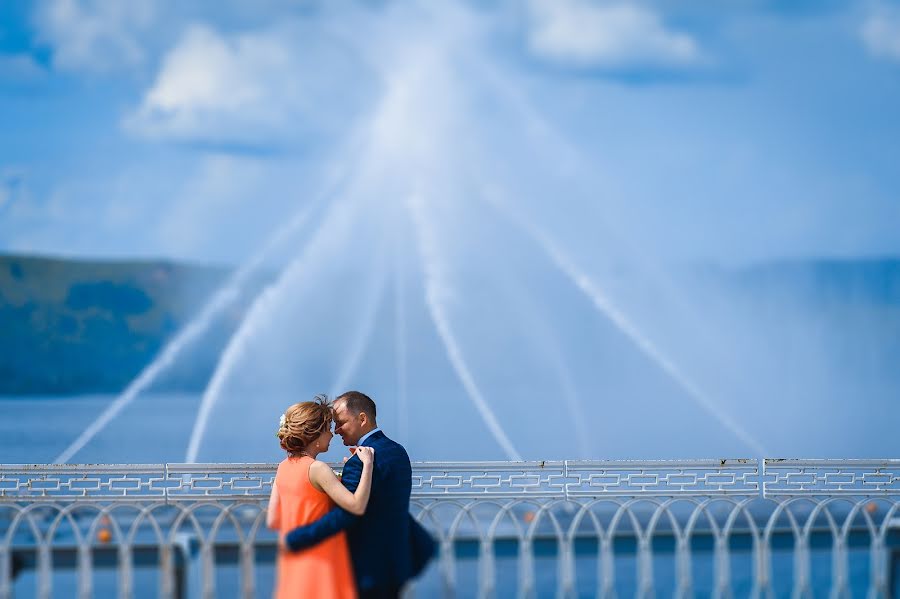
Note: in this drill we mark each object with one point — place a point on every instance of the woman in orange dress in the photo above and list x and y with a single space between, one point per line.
304 490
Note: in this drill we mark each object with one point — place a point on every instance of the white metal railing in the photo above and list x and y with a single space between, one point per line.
548 479
565 528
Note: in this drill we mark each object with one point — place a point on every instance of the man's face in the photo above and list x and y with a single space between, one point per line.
347 425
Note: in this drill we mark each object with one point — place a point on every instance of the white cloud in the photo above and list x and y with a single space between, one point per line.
94 35
248 88
621 35
881 34
207 79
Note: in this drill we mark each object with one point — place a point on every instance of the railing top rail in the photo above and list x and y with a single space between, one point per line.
566 479
833 462
547 479
499 464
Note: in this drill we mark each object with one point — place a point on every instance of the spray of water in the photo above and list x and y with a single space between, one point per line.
263 309
548 343
400 338
570 161
434 293
606 307
407 136
221 300
371 307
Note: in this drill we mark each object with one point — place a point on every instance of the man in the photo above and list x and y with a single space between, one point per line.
387 546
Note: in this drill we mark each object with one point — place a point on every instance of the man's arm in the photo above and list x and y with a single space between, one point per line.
331 523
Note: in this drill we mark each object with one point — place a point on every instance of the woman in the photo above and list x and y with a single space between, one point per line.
304 490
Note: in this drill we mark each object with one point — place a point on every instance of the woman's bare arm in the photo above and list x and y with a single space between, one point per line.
273 513
324 479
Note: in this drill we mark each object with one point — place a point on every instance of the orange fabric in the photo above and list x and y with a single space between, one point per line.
323 571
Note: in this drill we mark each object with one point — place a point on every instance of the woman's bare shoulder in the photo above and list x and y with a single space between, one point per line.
319 468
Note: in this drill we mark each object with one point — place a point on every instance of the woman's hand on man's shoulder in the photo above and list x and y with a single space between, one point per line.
366 454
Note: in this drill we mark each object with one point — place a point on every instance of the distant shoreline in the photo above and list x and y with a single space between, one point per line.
80 327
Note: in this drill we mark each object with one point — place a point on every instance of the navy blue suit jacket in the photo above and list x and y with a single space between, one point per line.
381 545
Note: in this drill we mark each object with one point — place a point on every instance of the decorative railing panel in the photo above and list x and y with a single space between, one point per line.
558 479
76 481
662 478
710 527
832 477
226 481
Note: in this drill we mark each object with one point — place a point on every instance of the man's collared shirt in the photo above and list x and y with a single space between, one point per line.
367 435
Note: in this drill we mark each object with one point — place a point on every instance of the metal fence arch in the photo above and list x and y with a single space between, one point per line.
723 528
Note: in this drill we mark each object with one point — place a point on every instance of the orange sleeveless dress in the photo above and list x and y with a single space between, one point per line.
324 570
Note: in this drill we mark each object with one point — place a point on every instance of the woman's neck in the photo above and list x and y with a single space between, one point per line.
305 452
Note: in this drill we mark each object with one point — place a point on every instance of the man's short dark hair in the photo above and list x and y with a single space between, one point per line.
358 403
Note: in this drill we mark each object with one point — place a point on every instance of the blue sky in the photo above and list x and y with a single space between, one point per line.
482 200
739 133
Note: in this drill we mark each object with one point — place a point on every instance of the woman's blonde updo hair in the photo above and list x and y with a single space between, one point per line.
303 423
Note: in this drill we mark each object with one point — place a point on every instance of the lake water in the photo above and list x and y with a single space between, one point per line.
152 429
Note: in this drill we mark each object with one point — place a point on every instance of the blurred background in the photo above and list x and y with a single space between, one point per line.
535 229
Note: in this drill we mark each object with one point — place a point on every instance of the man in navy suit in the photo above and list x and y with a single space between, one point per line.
387 546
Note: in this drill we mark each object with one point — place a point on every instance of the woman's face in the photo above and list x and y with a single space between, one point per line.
325 439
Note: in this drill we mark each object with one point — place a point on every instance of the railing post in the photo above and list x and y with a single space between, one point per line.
763 570
207 570
566 567
85 571
683 576
180 558
248 580
166 571
486 583
645 566
5 572
839 567
44 570
526 568
722 567
880 563
606 568
447 568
